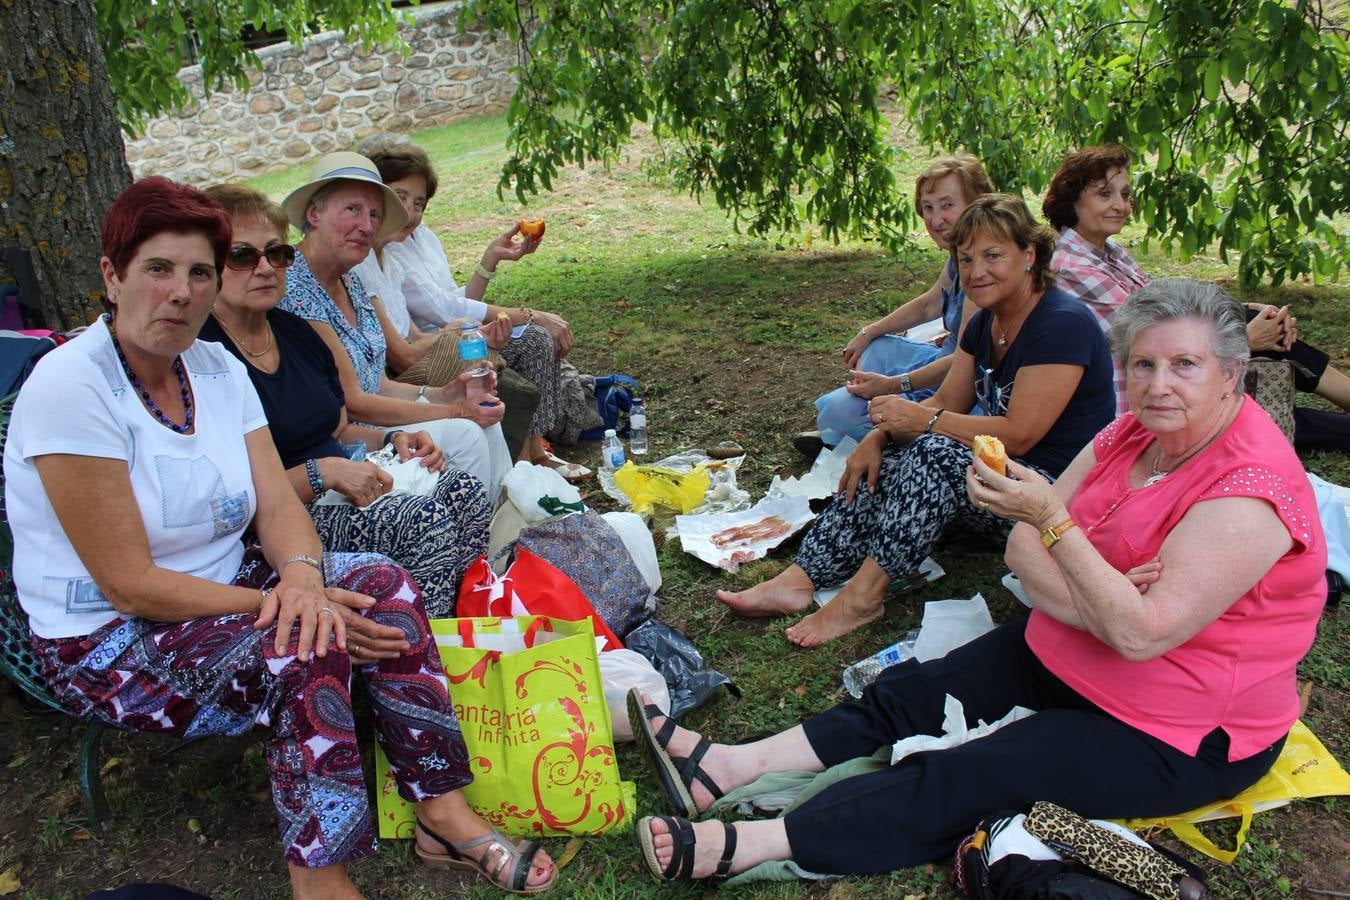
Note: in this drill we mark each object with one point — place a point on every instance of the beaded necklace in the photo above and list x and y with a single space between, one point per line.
149 401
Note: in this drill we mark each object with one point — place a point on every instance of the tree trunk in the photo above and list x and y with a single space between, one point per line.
62 160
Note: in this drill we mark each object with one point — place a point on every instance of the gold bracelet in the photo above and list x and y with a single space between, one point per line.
483 273
529 315
263 594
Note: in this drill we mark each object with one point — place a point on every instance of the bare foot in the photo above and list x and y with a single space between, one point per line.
787 593
709 840
851 609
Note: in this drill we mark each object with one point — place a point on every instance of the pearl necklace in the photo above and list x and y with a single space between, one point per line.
149 401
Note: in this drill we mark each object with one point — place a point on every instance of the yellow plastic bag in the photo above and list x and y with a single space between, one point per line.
1304 769
649 486
531 705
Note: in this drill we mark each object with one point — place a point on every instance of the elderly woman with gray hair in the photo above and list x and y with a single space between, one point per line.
342 210
1175 573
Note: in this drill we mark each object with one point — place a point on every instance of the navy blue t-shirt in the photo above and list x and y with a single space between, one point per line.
1061 330
303 399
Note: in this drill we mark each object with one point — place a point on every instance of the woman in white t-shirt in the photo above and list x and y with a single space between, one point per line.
136 460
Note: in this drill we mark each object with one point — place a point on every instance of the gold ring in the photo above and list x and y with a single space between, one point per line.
984 504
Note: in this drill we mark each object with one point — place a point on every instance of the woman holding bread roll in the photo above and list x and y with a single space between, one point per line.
1036 361
1175 571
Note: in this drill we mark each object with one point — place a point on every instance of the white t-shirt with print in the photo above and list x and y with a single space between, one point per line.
194 491
429 288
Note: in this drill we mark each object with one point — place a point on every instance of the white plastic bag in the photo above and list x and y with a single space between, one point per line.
624 669
527 484
637 540
410 477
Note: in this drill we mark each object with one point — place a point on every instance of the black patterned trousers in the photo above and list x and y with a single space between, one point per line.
921 491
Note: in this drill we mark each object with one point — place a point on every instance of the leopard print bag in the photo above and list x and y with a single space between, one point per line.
1141 869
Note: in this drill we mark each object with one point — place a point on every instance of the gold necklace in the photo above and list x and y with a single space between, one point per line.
240 344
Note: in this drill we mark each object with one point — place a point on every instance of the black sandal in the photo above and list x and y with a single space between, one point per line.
505 864
681 867
676 774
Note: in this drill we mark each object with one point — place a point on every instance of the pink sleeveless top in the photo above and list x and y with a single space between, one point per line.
1238 673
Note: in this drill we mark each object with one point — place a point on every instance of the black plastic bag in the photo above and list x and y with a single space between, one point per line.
680 664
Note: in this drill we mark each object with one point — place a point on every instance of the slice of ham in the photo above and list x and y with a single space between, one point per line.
765 529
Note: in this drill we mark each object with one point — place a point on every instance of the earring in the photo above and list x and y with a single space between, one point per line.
1027 269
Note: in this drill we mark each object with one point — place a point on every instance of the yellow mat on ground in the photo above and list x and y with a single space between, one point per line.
1304 769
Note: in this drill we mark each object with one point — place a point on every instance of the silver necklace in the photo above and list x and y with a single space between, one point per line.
1158 474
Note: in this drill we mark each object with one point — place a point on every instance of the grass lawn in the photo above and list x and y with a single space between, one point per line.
732 337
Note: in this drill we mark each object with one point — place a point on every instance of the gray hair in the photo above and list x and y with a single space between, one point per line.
1165 299
318 202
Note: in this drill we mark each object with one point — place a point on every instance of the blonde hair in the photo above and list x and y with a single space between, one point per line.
968 170
242 202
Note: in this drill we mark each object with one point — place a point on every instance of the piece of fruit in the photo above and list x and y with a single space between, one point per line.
532 228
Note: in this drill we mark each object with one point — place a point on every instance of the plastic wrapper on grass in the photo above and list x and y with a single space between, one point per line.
726 540
672 654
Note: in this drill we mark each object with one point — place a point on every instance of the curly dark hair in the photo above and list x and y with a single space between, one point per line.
1076 172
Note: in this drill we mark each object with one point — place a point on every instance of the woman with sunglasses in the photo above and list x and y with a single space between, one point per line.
434 537
905 484
137 458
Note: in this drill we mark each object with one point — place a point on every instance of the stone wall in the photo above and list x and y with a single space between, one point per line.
327 96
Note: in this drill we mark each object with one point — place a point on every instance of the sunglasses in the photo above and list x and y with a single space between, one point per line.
245 258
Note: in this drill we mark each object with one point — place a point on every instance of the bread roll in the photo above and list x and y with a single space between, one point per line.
990 449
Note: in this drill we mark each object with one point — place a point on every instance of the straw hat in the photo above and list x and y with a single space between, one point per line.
344 167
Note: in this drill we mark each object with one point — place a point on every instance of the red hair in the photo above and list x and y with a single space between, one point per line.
155 205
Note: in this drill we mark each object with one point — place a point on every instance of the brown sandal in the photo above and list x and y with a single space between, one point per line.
505 864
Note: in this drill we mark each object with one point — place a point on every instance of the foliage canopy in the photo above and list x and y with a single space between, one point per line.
149 41
1235 109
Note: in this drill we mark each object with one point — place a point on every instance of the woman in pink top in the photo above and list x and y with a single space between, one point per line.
1176 570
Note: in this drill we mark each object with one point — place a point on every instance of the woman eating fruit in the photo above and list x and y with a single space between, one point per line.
422 300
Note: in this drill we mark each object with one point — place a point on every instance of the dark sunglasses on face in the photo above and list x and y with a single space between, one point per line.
245 258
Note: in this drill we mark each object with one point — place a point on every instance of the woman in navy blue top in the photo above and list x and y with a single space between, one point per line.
434 537
1033 357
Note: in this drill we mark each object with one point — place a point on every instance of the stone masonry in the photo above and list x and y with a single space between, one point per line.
326 96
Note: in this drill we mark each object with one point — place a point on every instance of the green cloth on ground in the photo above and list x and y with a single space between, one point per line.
782 792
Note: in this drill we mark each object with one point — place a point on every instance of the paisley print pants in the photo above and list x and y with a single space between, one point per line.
220 676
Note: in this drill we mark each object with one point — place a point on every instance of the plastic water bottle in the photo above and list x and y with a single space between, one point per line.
865 671
611 450
473 352
637 428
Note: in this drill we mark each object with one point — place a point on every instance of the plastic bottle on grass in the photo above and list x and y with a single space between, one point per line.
473 352
865 671
611 450
637 427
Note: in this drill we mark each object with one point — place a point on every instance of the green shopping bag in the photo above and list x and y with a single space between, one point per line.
531 706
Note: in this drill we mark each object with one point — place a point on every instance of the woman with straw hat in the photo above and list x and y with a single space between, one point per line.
341 211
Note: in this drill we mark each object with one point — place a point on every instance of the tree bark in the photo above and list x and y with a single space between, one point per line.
62 160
